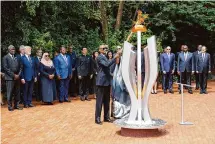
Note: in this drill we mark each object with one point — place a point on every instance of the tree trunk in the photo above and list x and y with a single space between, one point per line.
103 20
119 15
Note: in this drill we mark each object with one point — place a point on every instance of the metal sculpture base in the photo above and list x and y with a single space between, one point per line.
139 129
156 123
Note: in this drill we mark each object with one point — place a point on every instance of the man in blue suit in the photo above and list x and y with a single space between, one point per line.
103 82
63 67
29 76
185 67
203 67
195 56
167 61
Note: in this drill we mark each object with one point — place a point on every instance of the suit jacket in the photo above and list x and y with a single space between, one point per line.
203 65
167 64
37 63
187 64
29 68
73 59
103 77
63 68
195 57
11 66
84 65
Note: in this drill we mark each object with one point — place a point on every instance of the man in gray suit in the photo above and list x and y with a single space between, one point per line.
203 67
12 67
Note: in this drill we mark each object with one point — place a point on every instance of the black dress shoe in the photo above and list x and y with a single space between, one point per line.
50 103
179 92
165 91
67 101
82 98
98 121
205 92
25 106
60 101
171 91
191 92
10 108
18 108
201 92
87 99
30 105
108 120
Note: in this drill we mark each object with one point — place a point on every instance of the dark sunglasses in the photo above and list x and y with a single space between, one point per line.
167 49
46 55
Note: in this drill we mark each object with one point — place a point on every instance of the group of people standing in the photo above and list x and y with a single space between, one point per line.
185 64
57 78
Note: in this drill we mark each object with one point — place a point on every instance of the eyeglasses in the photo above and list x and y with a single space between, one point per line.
46 55
167 49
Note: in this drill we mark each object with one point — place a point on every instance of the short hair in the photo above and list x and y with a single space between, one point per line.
83 48
204 47
168 47
27 47
62 46
10 47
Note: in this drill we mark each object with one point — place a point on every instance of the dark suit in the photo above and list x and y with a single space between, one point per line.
12 66
28 74
64 70
195 57
37 84
84 69
203 65
185 67
73 82
103 82
167 65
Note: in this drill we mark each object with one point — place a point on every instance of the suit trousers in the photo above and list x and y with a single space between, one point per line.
37 90
167 81
103 97
185 78
197 80
203 77
73 84
13 87
63 90
28 91
84 86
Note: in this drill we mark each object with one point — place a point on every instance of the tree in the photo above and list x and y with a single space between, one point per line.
119 15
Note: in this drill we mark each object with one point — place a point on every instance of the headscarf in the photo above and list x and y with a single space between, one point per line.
48 63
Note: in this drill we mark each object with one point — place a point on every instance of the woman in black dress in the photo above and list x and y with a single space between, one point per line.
48 87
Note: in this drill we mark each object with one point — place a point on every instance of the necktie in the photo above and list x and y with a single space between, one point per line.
29 59
203 57
185 56
64 57
13 57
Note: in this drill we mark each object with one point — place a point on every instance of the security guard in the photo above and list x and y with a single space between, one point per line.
85 73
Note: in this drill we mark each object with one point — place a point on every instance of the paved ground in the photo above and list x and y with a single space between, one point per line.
74 122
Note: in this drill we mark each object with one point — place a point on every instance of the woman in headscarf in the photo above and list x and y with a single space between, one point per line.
48 87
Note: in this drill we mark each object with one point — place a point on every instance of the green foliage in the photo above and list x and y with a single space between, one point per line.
49 24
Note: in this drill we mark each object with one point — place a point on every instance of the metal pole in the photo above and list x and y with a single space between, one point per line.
139 75
182 104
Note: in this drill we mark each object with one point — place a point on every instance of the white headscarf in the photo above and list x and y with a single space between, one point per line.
48 63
